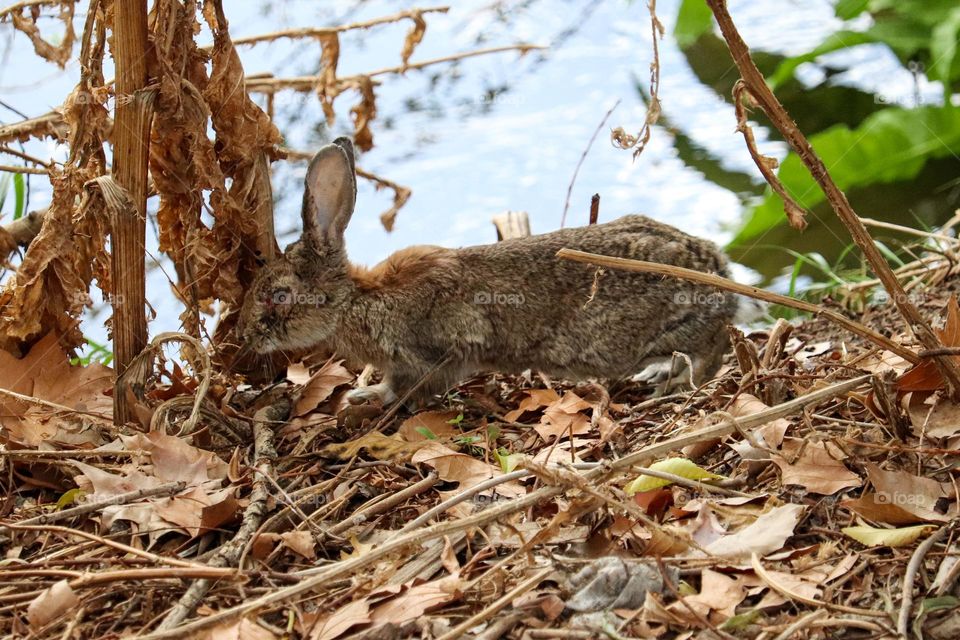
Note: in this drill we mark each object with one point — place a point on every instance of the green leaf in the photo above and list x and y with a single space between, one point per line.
847 9
426 433
4 187
833 42
457 420
943 50
694 19
507 461
890 145
20 193
68 498
677 466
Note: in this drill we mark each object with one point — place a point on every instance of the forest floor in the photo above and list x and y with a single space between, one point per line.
792 496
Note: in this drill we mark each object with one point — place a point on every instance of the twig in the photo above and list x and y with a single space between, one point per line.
309 83
642 266
494 513
761 93
52 405
389 503
227 555
50 124
795 213
494 607
166 489
583 156
24 156
23 4
908 230
313 32
80 533
785 591
35 171
903 620
802 623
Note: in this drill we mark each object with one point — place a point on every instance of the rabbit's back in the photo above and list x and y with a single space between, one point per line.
514 305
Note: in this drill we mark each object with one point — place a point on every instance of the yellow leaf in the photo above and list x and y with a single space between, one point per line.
873 537
677 466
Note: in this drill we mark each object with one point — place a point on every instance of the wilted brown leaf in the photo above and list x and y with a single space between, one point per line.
818 468
321 385
926 376
436 423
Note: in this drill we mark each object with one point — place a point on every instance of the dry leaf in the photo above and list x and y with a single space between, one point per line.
321 385
873 537
52 603
767 534
818 469
300 542
435 423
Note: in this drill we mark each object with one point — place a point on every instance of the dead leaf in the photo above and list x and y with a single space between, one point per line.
52 603
818 468
417 600
300 542
563 418
767 534
926 376
467 470
436 423
536 399
242 629
333 625
321 385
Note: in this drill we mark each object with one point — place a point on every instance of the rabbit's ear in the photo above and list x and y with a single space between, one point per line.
330 193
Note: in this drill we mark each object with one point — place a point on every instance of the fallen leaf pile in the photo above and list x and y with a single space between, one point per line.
477 514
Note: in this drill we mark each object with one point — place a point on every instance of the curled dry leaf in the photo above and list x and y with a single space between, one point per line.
53 602
59 54
414 37
873 537
676 466
429 425
321 385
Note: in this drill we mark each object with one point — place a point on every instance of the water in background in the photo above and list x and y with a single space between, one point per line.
488 134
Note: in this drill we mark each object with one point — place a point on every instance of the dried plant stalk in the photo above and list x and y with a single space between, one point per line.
128 232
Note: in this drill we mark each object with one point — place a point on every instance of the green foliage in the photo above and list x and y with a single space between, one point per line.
926 31
890 145
94 353
19 192
694 19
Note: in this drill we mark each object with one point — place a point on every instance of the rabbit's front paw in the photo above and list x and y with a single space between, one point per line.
667 373
381 393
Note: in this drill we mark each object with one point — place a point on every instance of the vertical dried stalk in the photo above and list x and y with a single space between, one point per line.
757 87
131 140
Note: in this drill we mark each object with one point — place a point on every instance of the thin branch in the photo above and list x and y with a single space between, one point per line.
583 156
309 83
314 32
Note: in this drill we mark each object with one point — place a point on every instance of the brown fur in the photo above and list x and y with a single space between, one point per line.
443 314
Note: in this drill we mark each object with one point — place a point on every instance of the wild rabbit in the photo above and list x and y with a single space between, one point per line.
431 316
